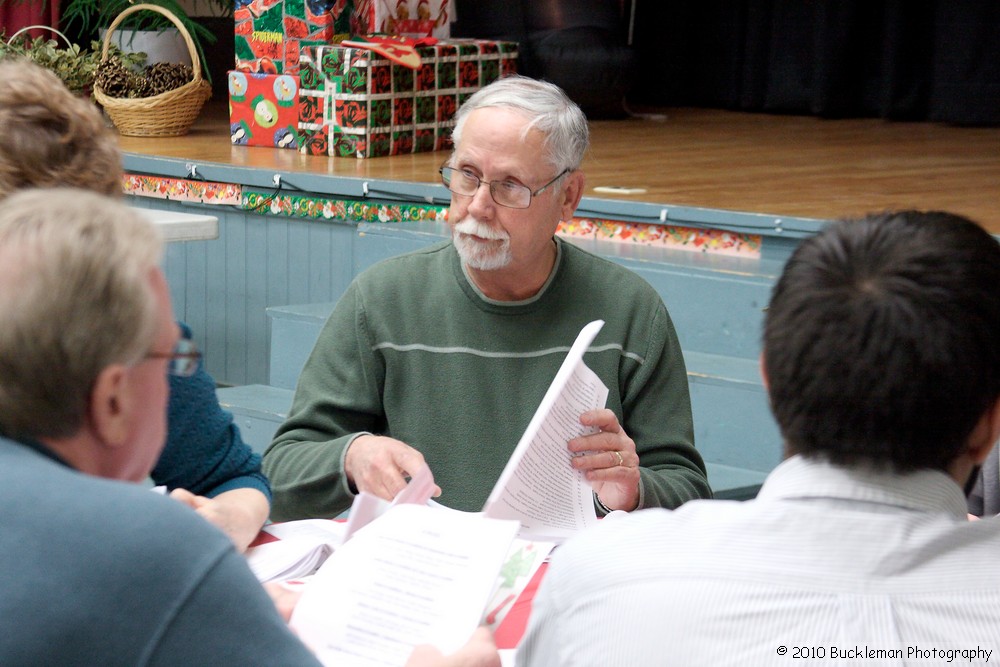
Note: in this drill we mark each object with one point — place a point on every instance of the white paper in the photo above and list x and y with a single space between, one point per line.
286 559
414 575
364 509
538 486
300 548
318 530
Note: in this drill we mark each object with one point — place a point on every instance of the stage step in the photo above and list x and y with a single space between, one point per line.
258 409
294 330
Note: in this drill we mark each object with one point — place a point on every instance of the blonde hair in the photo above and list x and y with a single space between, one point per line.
50 137
75 298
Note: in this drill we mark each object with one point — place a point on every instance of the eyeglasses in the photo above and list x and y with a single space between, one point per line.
183 360
504 193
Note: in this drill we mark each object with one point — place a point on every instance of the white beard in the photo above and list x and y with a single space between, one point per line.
476 254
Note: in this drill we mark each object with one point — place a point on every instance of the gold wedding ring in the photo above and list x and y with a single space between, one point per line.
621 461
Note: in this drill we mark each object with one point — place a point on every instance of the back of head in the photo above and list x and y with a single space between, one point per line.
75 298
880 341
51 137
549 110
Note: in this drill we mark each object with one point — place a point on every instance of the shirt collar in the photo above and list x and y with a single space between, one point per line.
43 450
923 490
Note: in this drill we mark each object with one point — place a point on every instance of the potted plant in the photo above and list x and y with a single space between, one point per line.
87 17
74 65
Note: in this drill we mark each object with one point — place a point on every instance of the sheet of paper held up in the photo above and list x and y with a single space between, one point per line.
538 486
414 575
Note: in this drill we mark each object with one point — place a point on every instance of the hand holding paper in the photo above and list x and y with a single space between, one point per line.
379 465
608 460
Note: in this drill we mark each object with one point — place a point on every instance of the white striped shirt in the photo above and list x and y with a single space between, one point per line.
826 566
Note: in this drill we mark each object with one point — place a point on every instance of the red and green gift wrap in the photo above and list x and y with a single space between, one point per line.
354 102
410 18
271 33
263 109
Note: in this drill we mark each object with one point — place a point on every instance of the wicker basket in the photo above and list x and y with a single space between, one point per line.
168 114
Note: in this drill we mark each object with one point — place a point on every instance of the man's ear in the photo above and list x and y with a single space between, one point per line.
572 193
989 425
996 420
994 427
763 371
111 405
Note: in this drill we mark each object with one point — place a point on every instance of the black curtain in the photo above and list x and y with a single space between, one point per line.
935 60
580 45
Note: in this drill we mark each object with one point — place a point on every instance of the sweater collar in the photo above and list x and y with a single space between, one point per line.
470 285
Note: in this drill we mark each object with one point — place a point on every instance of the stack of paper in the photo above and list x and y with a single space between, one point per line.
293 549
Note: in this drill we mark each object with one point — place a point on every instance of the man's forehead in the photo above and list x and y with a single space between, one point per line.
526 163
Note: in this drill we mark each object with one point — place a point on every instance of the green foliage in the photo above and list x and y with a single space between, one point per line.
75 66
86 17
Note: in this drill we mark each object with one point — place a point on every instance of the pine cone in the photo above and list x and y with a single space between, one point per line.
167 76
113 78
139 86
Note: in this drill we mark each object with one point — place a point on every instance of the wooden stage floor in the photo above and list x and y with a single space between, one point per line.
757 163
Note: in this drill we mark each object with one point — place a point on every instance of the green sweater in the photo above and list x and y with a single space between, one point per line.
414 351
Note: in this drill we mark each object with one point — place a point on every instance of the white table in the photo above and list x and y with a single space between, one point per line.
183 226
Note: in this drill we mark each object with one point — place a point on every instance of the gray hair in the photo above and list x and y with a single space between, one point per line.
549 109
75 298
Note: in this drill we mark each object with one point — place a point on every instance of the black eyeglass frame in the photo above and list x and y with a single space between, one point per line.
493 195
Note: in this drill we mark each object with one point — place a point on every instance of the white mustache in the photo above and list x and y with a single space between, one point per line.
473 227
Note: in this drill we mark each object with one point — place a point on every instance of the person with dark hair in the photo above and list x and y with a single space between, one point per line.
53 138
882 366
442 355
